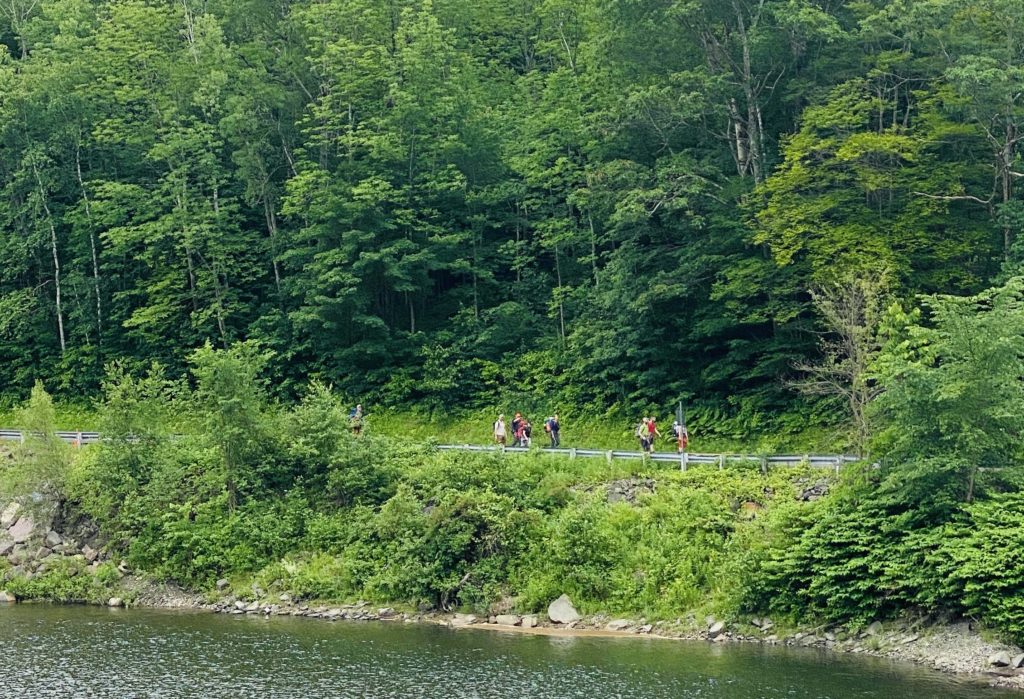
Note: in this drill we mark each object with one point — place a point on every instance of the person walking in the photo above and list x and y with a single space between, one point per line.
682 438
499 430
552 427
517 430
652 432
356 420
644 435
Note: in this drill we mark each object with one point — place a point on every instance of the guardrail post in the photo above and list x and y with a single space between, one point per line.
721 461
78 440
764 465
685 460
839 465
572 453
609 457
21 435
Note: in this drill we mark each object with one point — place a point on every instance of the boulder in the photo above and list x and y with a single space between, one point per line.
1017 661
507 620
646 628
52 539
716 629
222 584
22 530
463 619
6 546
115 602
617 624
1000 659
240 605
561 611
41 553
7 597
874 628
90 553
529 622
10 515
18 555
386 613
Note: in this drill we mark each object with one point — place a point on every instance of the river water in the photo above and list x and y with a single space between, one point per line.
130 654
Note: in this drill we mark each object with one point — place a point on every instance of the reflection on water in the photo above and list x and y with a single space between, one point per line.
101 653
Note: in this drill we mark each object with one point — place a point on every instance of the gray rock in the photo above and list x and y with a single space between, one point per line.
90 553
222 584
10 515
284 597
646 628
716 629
617 624
1000 659
529 621
561 611
756 622
22 530
874 628
254 607
507 620
463 619
7 597
6 546
240 605
52 539
386 613
115 602
18 555
1017 661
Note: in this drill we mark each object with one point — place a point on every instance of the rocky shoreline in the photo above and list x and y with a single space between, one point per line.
33 540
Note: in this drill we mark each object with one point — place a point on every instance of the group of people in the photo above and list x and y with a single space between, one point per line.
647 432
522 431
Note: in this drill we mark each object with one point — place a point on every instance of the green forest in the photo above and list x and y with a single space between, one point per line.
225 222
450 204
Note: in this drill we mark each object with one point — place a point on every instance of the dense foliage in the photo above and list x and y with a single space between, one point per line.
452 202
287 499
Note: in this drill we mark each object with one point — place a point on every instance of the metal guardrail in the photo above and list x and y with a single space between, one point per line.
75 438
684 460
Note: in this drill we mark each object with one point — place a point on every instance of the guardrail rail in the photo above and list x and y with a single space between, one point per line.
684 459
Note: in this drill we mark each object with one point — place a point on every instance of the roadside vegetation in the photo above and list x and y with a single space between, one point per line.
287 498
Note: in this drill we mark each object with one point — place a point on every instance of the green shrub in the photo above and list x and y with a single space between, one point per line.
987 556
66 580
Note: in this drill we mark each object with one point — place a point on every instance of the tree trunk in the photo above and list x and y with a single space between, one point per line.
56 259
271 217
92 246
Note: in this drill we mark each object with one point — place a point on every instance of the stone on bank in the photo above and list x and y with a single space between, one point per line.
561 611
